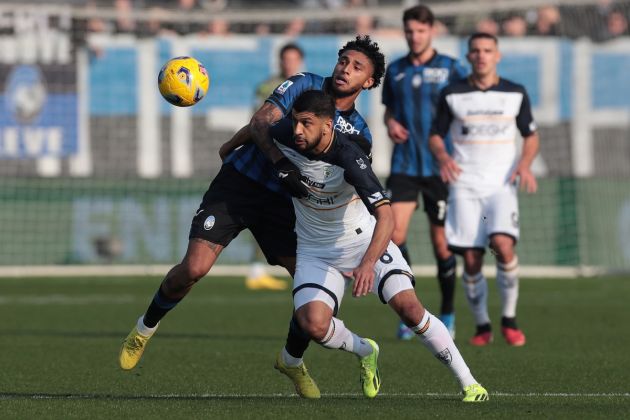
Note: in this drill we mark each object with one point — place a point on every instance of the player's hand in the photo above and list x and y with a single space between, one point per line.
527 180
396 131
449 169
363 279
291 178
224 150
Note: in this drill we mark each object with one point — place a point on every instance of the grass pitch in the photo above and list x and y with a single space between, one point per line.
212 356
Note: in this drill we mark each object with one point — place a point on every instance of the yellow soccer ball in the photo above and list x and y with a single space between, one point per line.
183 81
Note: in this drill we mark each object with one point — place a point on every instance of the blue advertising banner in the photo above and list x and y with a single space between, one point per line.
38 94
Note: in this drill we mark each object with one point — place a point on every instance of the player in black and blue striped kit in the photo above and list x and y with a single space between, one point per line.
411 90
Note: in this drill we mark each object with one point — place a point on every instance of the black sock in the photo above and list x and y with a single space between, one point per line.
159 306
405 252
297 339
483 329
446 278
508 322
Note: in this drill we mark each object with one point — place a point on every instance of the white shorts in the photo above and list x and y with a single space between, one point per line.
472 219
319 278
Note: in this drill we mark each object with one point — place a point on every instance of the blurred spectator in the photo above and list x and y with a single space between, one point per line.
124 19
548 21
616 25
488 25
262 29
290 62
214 5
439 29
364 24
220 27
184 27
515 26
95 24
317 4
295 27
154 25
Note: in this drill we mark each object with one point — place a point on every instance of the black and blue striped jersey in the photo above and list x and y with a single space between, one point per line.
411 93
251 162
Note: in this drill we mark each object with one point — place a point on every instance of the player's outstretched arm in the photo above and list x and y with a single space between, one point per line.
289 174
364 273
449 170
259 130
241 137
527 180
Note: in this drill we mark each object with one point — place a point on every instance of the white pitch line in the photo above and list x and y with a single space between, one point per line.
12 396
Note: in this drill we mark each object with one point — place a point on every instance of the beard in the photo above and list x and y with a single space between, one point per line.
308 148
341 94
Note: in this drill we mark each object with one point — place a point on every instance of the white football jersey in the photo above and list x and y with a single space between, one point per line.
343 191
483 127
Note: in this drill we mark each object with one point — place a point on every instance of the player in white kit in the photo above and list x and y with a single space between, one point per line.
483 114
339 240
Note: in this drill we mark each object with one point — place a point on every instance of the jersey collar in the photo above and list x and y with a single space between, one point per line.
435 53
496 83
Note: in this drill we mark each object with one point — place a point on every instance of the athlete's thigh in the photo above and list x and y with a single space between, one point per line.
502 210
403 212
392 274
403 188
317 280
465 221
273 227
221 214
434 198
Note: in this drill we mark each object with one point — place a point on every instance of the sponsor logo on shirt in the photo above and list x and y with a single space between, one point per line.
312 183
361 163
283 87
328 200
344 126
209 223
377 196
472 112
484 129
416 81
399 77
435 75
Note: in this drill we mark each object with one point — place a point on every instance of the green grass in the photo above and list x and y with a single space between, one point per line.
213 355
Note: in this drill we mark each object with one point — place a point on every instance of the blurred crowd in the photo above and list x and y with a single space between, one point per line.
602 20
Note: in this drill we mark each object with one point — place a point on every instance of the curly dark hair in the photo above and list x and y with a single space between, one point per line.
365 45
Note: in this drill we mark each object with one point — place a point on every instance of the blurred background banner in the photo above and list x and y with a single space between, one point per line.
38 96
95 167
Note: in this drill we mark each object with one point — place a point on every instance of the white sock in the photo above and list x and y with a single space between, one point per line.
143 329
290 360
256 270
507 281
436 338
476 288
339 337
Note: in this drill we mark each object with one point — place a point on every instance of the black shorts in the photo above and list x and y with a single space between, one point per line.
235 202
434 194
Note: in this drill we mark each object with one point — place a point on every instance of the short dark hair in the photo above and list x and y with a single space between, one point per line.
365 45
421 13
317 102
482 35
291 46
